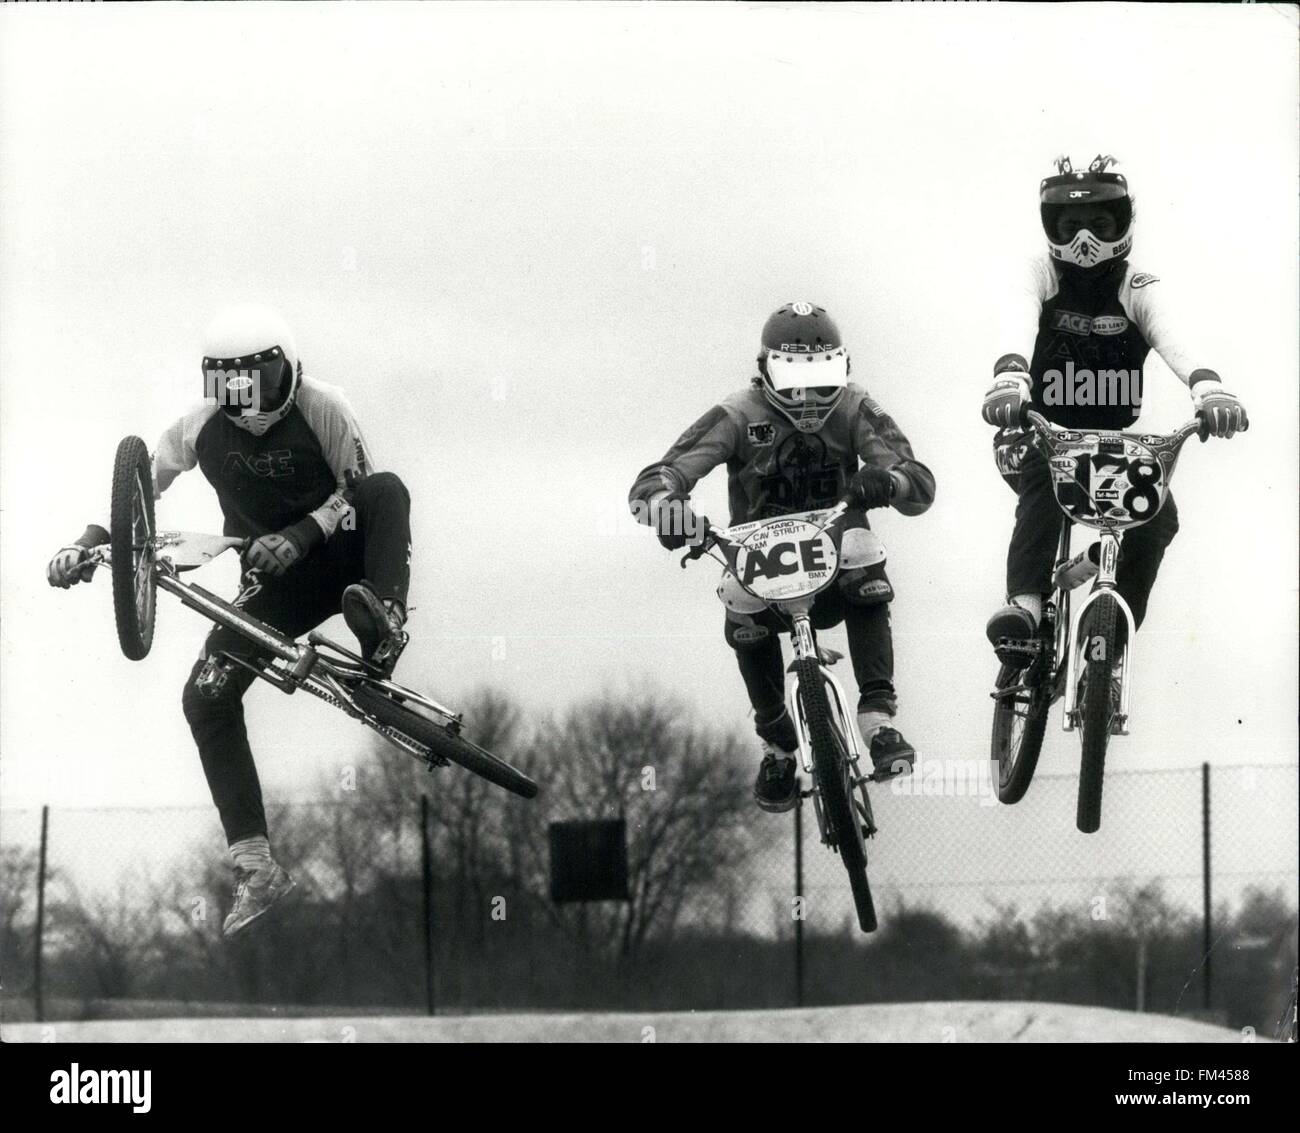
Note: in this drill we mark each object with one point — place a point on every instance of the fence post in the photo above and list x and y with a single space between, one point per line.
1206 943
426 872
40 916
798 893
1142 973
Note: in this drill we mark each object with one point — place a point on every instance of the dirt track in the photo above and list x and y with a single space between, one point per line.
899 1022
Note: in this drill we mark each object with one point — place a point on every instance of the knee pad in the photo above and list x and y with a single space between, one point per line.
743 633
379 485
213 689
866 586
1011 448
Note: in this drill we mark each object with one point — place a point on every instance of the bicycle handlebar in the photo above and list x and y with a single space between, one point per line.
710 538
1044 428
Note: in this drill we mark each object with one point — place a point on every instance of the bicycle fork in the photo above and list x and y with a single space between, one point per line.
1075 646
801 637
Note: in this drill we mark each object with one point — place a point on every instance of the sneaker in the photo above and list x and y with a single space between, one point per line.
776 788
255 892
891 755
1014 636
376 624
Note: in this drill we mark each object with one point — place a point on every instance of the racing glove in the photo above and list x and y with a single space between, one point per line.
1002 403
870 487
675 523
276 553
1221 410
64 569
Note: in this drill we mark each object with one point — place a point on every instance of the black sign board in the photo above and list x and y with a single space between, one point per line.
589 860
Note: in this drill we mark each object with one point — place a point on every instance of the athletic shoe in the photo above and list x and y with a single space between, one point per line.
1014 636
776 788
891 755
255 892
376 624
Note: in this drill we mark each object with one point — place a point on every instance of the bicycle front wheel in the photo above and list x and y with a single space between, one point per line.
834 774
1099 703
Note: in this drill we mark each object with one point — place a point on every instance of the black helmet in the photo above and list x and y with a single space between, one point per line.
804 365
1083 197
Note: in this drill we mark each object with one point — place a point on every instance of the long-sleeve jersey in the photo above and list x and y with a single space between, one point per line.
304 464
774 469
1066 322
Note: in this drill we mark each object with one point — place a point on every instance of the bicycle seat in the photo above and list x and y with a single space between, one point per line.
187 550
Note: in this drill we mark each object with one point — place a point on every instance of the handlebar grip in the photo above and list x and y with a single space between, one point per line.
701 548
850 498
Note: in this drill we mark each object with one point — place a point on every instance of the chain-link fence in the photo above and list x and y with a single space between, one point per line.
1184 902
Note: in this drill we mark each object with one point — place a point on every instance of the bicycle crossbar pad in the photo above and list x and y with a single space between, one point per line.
230 617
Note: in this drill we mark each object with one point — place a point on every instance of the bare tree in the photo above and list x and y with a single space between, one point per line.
17 893
681 788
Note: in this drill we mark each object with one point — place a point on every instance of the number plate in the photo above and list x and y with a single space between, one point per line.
1107 479
783 559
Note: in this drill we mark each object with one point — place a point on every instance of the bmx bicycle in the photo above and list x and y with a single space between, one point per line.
783 564
142 560
1111 482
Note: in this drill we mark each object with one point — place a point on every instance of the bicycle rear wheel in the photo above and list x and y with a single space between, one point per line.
834 771
131 527
1097 708
1020 721
389 711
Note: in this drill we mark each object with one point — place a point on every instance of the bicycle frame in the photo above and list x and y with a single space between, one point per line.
291 665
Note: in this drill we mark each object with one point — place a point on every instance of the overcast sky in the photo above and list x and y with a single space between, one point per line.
534 243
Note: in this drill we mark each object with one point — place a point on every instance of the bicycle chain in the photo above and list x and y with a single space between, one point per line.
392 733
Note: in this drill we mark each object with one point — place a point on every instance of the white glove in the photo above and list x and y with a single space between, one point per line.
1002 403
65 568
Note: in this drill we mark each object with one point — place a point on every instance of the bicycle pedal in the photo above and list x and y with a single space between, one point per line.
1017 653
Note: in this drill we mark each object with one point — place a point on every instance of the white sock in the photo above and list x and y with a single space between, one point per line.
251 853
870 722
1033 603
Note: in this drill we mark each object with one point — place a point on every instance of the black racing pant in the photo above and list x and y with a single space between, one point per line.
755 639
376 548
1032 553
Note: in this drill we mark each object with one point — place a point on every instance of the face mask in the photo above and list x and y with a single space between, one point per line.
246 387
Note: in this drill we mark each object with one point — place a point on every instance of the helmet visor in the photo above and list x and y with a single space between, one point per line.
244 387
1106 220
816 375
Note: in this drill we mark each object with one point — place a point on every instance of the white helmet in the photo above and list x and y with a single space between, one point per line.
251 366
